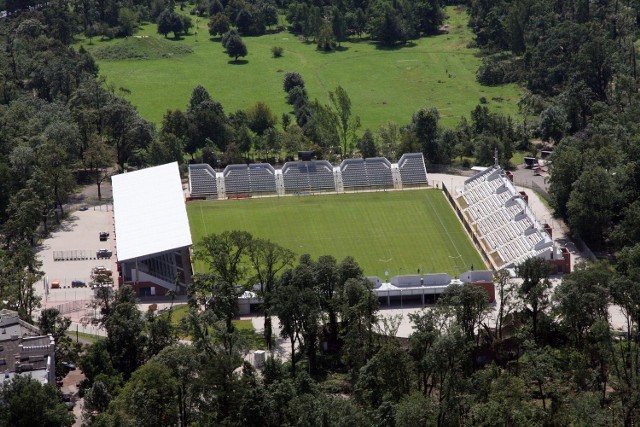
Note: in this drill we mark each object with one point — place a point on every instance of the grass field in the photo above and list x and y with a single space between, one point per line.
383 84
398 231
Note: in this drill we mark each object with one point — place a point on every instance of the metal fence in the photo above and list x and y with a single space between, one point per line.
77 255
72 306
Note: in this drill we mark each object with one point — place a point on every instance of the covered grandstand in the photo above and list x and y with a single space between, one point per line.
307 176
503 223
152 230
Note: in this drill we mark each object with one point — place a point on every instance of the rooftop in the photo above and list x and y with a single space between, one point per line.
149 212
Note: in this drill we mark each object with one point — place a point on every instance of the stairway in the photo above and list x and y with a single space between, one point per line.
337 178
397 179
279 182
222 190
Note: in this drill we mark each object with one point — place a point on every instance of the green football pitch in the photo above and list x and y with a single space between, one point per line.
397 231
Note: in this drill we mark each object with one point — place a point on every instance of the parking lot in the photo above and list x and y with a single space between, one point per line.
70 254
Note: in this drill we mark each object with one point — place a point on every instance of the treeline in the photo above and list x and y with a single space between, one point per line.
332 131
578 62
542 356
57 122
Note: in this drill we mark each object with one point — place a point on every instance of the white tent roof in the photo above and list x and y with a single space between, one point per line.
149 212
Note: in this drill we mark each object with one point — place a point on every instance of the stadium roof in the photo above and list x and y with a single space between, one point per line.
149 212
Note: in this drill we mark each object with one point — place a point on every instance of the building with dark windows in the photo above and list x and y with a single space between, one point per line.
25 351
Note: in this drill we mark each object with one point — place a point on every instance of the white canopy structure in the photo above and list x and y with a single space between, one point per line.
149 212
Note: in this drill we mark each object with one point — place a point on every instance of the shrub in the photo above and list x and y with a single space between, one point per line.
277 51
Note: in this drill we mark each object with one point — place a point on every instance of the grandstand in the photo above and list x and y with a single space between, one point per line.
202 181
313 175
307 176
153 237
257 178
503 222
367 173
412 169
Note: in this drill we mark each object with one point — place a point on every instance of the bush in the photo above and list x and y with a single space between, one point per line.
277 51
483 100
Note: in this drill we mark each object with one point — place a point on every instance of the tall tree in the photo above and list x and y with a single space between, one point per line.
124 325
534 290
347 124
51 322
425 127
98 158
297 307
236 47
268 260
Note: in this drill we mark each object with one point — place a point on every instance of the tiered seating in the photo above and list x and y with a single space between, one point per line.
262 178
412 169
202 180
296 176
253 179
315 175
354 173
236 179
503 219
321 175
379 172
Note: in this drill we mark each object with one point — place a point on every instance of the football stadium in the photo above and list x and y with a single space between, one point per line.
403 231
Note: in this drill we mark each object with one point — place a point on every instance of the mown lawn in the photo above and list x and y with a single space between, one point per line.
384 84
398 232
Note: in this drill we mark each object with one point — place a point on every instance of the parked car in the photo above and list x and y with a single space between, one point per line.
55 284
69 366
101 269
104 235
78 284
103 253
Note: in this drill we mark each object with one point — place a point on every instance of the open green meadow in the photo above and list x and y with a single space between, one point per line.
383 84
397 231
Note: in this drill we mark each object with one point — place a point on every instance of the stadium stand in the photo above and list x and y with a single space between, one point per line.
354 173
252 179
202 181
412 169
314 175
374 172
307 176
502 218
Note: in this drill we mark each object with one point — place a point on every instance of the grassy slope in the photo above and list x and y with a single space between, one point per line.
383 84
396 231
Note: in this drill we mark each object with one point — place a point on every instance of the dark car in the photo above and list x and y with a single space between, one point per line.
78 284
103 253
104 236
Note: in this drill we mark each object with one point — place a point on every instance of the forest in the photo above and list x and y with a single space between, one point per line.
547 357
